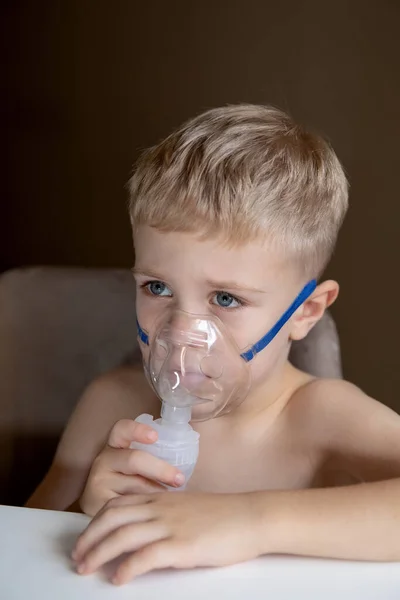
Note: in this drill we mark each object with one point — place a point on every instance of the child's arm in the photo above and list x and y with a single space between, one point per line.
360 522
200 530
106 400
358 435
361 437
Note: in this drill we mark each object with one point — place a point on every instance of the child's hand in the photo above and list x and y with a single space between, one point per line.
118 470
170 530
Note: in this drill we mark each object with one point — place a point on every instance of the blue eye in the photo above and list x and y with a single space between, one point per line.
225 300
158 288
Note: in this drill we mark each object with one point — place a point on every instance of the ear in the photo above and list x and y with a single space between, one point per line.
313 309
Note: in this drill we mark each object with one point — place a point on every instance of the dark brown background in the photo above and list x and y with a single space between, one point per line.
88 84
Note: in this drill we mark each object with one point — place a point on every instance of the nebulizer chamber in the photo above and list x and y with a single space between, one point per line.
195 368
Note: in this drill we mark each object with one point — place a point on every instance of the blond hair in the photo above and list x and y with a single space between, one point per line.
245 172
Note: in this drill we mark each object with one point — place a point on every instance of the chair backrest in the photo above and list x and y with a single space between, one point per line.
60 329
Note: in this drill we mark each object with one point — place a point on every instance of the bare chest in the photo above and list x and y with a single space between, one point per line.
242 464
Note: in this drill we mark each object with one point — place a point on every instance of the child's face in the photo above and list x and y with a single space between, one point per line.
248 288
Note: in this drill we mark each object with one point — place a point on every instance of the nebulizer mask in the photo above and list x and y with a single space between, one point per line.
198 372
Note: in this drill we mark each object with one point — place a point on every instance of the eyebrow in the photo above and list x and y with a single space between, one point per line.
217 285
147 272
233 285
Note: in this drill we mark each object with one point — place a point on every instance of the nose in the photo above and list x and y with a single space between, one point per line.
183 360
184 330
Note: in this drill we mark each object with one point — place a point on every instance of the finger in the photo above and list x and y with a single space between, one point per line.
109 519
127 431
131 500
120 501
158 555
138 462
118 485
81 545
134 484
128 538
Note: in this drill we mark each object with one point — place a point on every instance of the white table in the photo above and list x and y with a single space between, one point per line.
34 565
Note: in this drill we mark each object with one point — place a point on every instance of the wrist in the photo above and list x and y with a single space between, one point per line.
270 518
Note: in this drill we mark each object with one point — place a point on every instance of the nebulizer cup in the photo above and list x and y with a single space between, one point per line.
195 368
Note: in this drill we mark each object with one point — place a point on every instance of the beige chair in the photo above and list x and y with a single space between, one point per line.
59 329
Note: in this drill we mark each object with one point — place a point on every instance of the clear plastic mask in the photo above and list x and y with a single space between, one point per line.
192 361
195 366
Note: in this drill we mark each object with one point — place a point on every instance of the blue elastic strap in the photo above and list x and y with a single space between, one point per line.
268 337
142 335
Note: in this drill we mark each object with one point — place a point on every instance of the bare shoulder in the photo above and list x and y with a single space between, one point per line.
339 399
120 394
351 428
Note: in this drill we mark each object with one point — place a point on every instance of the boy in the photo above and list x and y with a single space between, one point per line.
232 216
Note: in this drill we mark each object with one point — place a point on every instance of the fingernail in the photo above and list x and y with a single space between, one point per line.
151 436
179 479
81 568
74 555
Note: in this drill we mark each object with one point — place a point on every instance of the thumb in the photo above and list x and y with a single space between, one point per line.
127 431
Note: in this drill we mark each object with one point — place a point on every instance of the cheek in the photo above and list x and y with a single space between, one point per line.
148 314
266 361
249 326
149 311
144 349
245 326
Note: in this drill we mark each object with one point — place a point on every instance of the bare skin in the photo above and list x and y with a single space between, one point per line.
257 463
283 447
